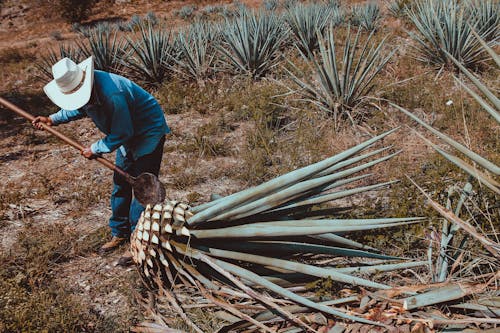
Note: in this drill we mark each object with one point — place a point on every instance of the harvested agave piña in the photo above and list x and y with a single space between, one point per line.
247 242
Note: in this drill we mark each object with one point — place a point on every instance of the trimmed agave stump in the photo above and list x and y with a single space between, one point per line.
250 245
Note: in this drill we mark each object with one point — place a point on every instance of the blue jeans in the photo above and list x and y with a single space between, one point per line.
125 209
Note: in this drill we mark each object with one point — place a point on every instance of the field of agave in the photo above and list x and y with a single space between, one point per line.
286 255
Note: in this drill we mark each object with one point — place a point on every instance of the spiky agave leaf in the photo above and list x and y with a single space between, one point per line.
366 16
397 8
486 14
338 88
250 43
174 243
152 56
106 46
54 55
446 26
305 20
197 47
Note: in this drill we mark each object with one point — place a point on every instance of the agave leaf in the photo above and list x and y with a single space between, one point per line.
350 161
208 211
488 49
335 195
483 178
495 114
475 157
276 199
300 227
248 275
215 264
243 273
478 83
333 238
438 295
293 267
282 247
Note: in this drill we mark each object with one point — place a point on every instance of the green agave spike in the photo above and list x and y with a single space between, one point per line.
287 194
335 195
495 100
483 178
210 210
495 114
243 273
248 275
281 247
333 238
299 228
292 266
350 161
477 158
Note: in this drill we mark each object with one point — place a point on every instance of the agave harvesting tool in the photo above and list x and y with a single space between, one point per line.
147 187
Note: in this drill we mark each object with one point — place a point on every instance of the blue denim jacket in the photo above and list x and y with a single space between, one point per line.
126 113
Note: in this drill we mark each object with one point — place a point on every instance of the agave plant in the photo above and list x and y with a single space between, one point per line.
107 48
271 4
486 14
151 58
339 87
197 50
306 20
446 27
250 44
397 7
245 244
45 64
366 16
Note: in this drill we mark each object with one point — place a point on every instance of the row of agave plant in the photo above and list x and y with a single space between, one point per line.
253 43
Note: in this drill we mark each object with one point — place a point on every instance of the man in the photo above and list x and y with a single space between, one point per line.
132 120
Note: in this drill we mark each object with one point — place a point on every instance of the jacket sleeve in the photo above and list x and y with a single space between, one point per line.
65 116
121 129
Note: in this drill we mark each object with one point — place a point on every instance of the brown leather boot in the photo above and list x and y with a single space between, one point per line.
126 259
114 243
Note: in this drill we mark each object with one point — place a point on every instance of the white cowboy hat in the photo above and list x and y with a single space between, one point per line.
72 84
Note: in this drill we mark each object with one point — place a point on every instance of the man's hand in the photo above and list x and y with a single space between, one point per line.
37 122
87 152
